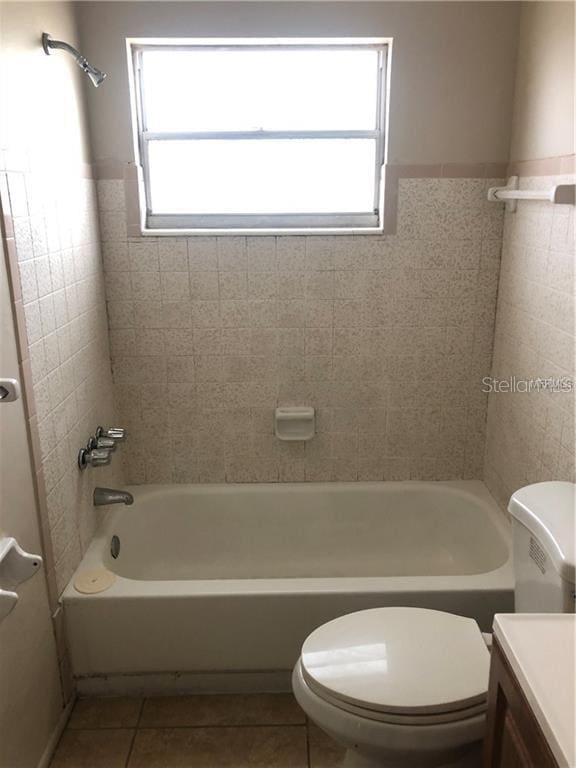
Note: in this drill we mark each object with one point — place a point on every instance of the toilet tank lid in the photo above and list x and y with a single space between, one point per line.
548 510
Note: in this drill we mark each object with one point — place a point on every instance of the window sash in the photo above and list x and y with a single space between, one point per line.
276 222
266 222
256 135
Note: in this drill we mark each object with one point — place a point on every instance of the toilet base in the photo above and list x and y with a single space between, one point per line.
378 744
353 759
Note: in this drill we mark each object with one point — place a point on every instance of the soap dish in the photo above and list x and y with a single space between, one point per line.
293 423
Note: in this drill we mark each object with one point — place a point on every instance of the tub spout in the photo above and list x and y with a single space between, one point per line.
103 496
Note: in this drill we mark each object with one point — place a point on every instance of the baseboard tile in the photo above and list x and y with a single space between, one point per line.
174 683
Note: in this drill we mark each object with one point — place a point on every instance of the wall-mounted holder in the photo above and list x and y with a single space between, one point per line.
9 390
293 423
560 194
16 566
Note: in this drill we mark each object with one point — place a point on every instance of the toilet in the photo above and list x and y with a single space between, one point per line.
407 687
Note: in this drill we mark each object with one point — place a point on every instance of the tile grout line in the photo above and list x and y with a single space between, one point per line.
140 712
221 725
308 757
137 727
102 728
131 748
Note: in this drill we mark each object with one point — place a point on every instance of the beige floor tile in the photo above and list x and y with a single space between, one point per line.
105 713
249 709
93 749
324 751
245 747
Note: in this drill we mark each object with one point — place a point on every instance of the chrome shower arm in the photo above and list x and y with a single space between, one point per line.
95 75
48 43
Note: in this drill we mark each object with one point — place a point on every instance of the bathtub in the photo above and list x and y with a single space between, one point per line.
216 587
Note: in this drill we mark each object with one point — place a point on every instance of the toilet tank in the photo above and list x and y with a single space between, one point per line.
543 532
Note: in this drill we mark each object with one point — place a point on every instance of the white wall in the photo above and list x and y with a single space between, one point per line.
51 237
30 696
530 436
543 124
452 72
41 101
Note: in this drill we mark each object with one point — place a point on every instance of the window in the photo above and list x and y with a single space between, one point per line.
265 135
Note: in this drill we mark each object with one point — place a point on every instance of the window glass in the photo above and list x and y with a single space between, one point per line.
253 176
221 90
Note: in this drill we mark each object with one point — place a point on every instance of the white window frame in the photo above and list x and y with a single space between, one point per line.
370 222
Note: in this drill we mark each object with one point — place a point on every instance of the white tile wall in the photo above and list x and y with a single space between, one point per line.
387 337
530 436
61 278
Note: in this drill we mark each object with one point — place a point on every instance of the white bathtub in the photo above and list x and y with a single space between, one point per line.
216 587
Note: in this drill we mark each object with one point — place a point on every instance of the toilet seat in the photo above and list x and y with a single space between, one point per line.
410 666
396 719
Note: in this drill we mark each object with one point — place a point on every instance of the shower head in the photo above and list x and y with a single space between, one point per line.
95 75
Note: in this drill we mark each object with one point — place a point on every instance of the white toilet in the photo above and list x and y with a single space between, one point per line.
407 687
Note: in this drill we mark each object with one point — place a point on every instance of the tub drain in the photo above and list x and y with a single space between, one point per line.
115 547
90 582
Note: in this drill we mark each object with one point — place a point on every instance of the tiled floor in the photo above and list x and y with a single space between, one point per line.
220 731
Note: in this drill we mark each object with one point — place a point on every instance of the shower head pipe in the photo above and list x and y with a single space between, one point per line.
95 75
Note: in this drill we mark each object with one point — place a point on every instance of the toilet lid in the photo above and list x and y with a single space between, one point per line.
414 719
399 660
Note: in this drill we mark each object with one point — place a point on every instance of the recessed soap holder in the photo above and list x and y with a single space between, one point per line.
293 423
16 566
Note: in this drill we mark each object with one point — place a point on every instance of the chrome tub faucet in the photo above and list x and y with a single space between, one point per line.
99 448
104 496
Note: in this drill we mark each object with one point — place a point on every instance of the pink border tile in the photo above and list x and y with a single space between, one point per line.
87 170
8 225
463 170
391 176
21 333
546 166
568 164
131 172
13 271
29 400
35 443
419 171
4 194
132 202
108 168
496 170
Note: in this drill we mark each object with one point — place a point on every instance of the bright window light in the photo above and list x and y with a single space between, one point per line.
258 136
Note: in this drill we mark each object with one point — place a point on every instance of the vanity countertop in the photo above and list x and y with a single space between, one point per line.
541 649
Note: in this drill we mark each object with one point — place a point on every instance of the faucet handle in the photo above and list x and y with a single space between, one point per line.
98 457
95 457
117 434
105 443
